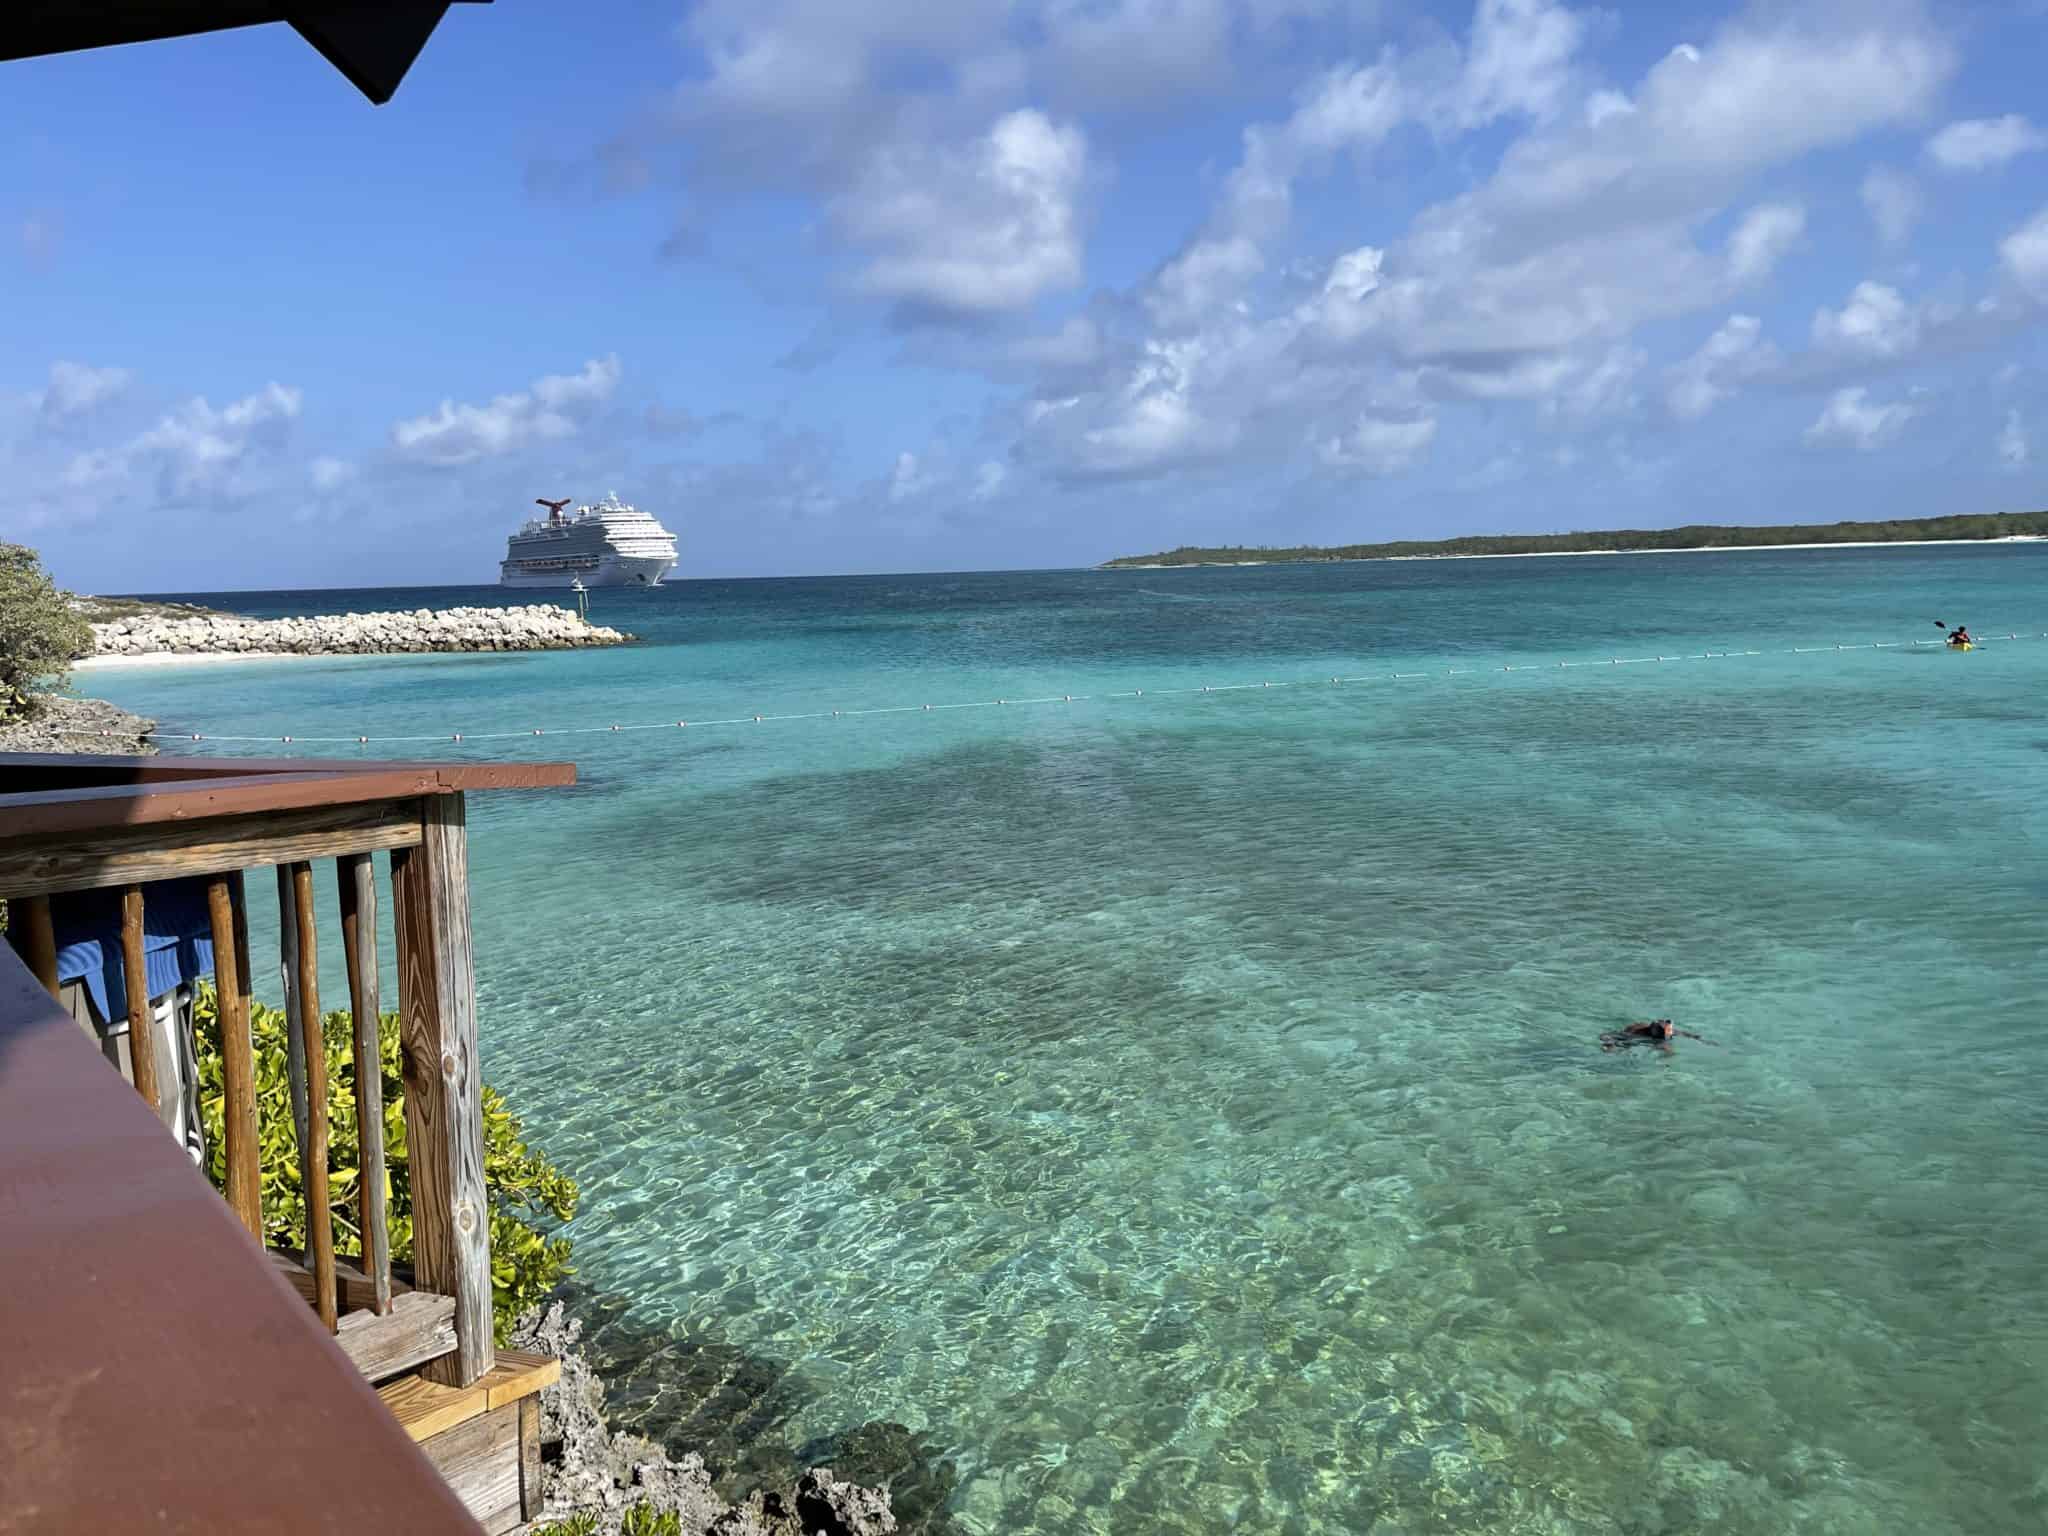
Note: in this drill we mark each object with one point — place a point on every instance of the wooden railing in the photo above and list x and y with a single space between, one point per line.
77 824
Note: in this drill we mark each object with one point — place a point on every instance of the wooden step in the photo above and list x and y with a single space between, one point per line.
426 1408
484 1438
419 1327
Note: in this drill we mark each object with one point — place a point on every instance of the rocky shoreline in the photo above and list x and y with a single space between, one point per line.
591 1478
540 627
62 723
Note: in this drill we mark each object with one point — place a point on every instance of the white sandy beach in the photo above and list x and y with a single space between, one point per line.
192 658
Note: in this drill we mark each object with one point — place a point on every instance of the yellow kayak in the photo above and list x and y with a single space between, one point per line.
1967 645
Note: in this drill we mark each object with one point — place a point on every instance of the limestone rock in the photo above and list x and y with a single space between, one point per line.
587 1468
534 628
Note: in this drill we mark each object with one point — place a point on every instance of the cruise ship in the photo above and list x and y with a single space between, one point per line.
608 545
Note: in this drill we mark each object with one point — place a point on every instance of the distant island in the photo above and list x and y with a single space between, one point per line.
1920 530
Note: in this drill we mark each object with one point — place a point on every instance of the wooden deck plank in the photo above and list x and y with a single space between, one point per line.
419 1327
425 1408
518 1374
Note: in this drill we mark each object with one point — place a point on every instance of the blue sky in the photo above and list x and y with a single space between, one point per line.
904 286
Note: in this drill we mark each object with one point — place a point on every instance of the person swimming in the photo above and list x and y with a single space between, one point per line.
1657 1032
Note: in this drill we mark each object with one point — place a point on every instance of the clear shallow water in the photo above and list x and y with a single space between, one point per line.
1184 1112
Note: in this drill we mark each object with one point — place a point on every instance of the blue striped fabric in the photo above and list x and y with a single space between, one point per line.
176 940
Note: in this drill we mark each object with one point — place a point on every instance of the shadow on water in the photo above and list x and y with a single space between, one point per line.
734 1408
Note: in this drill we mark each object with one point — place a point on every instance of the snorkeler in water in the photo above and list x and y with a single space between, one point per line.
1657 1032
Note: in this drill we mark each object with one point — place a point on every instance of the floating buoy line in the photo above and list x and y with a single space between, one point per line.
1338 680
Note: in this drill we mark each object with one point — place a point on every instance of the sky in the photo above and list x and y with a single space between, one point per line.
991 284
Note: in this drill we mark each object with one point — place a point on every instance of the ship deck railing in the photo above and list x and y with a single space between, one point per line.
167 1359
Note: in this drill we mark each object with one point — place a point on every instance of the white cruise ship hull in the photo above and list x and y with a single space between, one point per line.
610 571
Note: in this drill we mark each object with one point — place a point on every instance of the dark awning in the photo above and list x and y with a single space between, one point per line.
373 45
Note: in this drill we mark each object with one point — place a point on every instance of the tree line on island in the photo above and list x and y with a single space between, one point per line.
1997 525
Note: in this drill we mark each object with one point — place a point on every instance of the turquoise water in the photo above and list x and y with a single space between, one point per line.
1184 1112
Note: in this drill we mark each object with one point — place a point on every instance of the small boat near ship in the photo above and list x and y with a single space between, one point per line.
611 544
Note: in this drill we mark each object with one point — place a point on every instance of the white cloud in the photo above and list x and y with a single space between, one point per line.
1519 61
1148 421
1876 323
1350 108
1893 201
2013 448
1587 229
1606 388
989 480
1734 354
552 407
76 388
907 479
2024 254
1978 144
1106 52
1761 240
196 452
972 230
1850 416
329 474
1530 287
1377 445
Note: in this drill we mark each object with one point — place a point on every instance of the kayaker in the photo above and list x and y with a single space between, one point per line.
1960 635
1657 1032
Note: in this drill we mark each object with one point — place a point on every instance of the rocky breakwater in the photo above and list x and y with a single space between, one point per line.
535 628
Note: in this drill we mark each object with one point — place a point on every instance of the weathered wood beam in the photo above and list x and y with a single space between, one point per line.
319 1207
288 979
356 874
443 1082
141 1018
419 1327
36 941
136 855
237 1056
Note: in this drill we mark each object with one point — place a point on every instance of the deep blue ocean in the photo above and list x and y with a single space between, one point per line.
1184 1112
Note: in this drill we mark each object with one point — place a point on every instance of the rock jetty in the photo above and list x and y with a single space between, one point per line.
536 628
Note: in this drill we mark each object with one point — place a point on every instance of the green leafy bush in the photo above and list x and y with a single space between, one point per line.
645 1520
40 633
525 1188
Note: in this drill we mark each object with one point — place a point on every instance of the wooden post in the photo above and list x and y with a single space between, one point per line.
237 1057
37 941
313 1149
443 1083
288 969
141 1018
356 874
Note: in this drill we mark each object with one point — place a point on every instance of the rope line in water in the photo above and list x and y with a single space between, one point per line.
1061 698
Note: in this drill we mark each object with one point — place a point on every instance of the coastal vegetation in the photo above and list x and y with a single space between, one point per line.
107 610
41 634
2002 525
526 1190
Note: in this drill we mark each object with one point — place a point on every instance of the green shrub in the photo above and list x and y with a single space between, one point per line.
641 1520
524 1187
644 1520
40 633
